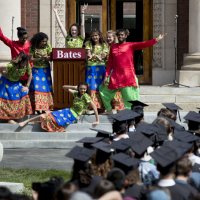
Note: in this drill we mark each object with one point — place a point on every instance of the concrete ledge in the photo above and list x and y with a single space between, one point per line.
23 144
13 187
158 98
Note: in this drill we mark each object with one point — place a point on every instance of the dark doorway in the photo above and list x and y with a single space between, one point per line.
129 15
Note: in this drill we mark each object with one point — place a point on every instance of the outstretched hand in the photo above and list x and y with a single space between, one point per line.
161 36
84 8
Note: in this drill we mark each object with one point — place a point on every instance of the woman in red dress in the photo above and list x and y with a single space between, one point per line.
17 46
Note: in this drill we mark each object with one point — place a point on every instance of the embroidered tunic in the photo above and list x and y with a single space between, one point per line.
120 64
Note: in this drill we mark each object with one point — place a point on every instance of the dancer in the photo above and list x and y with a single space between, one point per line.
21 45
120 69
56 121
14 99
41 84
76 36
97 51
117 102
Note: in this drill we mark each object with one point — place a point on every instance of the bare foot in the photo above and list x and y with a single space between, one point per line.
22 124
12 122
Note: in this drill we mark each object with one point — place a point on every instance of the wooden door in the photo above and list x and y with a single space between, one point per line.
135 15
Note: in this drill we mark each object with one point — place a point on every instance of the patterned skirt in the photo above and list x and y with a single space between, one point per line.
14 103
57 121
41 89
94 78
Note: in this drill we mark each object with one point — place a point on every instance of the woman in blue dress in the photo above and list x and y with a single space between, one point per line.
14 98
41 84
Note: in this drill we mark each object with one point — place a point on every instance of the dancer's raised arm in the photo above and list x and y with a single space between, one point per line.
70 88
83 20
62 28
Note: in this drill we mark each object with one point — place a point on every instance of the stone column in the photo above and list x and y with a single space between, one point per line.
9 9
190 71
194 26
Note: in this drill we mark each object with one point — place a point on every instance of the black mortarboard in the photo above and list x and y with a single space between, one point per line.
181 147
120 145
165 155
138 106
103 152
193 119
174 108
88 141
124 115
185 136
80 153
101 133
137 103
139 143
156 132
125 162
103 146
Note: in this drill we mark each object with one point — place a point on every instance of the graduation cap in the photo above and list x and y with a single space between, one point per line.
185 136
80 154
193 119
121 145
138 103
104 150
139 143
88 141
138 106
103 146
166 155
102 133
180 147
125 162
174 108
156 132
124 115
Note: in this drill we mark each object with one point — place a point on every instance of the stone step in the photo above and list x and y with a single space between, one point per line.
47 136
191 67
42 144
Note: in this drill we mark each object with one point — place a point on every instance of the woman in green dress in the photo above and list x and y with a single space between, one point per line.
97 52
57 121
76 35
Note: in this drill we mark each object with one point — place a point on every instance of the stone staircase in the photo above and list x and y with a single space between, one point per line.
30 147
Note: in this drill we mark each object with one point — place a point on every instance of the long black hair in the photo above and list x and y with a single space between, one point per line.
37 38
